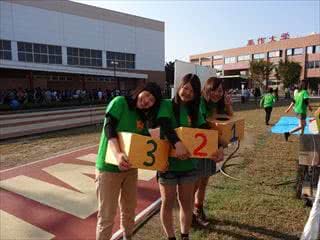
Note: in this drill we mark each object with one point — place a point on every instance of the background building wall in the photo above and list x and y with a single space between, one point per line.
30 24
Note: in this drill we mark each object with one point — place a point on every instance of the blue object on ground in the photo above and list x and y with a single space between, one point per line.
285 124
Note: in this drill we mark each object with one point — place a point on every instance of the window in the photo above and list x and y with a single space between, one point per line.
124 60
244 58
310 64
84 57
217 57
317 49
297 51
228 60
5 50
39 53
289 52
317 64
274 54
25 52
258 56
310 49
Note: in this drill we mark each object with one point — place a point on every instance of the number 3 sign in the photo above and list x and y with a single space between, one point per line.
201 143
142 151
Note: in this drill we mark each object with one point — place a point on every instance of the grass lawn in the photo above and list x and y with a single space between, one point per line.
263 204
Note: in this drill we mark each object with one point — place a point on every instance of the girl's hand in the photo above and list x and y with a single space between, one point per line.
218 156
123 162
227 99
181 151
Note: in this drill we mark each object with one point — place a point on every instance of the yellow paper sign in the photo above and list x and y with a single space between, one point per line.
230 129
143 152
201 143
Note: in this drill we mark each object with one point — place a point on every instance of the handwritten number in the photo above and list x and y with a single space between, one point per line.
197 152
150 153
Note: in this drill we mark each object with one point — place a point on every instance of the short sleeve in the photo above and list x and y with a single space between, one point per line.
116 107
203 109
201 119
165 110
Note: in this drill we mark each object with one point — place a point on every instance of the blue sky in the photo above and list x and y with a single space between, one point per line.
193 27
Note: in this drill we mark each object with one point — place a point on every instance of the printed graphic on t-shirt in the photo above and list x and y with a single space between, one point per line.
140 125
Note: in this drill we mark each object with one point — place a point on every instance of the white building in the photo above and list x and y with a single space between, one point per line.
62 44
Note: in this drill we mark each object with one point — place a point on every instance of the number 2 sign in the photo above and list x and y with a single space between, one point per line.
201 143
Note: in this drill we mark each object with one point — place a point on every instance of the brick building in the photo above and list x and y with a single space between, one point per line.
233 64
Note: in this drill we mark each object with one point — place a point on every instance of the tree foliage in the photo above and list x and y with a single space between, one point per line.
260 71
289 72
169 68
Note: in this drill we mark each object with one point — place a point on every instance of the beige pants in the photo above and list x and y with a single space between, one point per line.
113 189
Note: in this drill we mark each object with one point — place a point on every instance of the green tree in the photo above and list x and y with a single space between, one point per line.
289 72
260 71
169 68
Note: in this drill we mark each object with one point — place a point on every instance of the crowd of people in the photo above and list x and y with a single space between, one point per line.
185 179
19 97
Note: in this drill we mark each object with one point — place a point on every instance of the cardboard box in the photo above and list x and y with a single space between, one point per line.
201 143
143 152
309 153
230 129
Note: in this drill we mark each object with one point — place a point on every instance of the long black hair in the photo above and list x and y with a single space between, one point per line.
193 105
148 116
211 85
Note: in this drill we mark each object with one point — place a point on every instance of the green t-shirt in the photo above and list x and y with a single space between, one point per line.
166 110
267 100
207 109
299 106
128 121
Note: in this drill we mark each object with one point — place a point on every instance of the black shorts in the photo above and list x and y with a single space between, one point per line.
303 116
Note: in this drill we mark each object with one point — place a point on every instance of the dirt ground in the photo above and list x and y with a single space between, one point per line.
24 150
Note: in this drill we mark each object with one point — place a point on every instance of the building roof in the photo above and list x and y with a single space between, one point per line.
83 10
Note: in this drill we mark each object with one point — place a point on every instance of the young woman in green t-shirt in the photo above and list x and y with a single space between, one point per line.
214 100
134 114
300 103
179 180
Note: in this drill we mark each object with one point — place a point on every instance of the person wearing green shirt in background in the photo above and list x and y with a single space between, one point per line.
118 184
214 100
300 104
267 102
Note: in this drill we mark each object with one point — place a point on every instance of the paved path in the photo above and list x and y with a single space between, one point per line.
55 198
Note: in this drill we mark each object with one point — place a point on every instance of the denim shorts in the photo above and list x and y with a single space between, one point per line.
177 178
